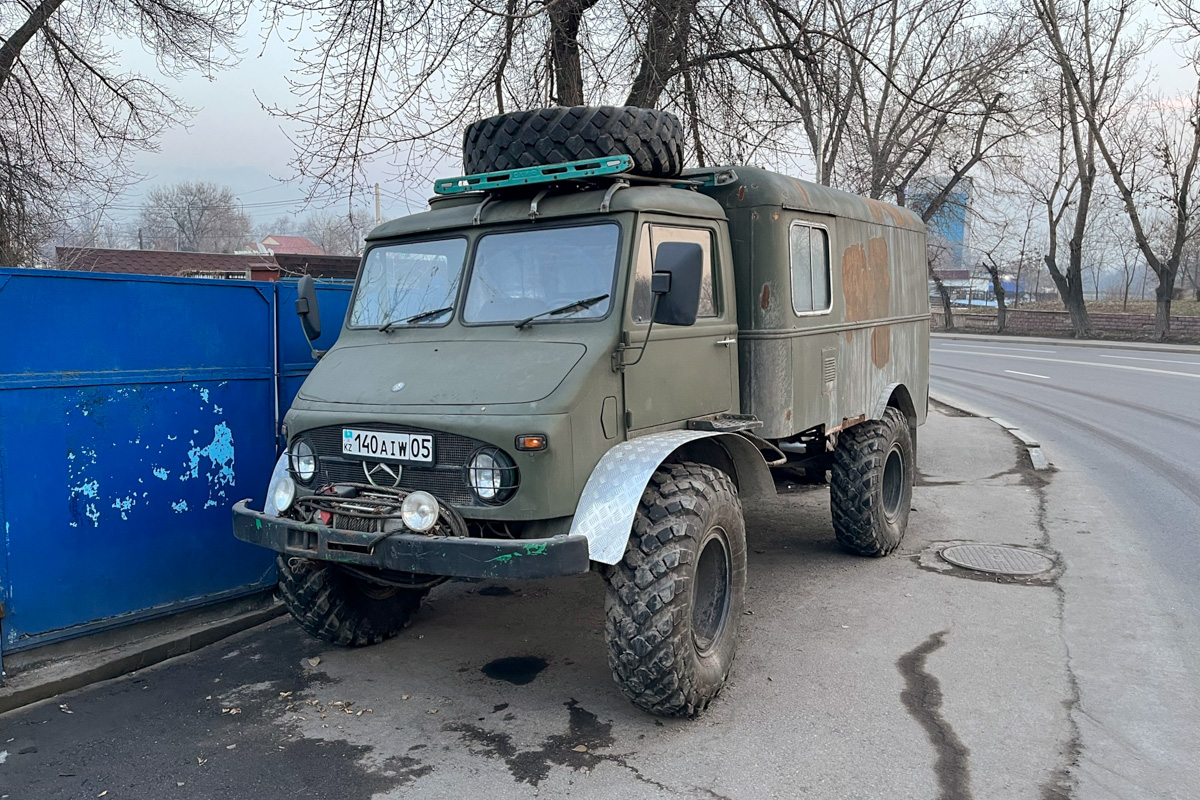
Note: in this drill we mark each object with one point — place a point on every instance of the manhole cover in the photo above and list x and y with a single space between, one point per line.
998 558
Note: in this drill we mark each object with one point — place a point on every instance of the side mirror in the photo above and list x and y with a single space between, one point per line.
675 283
306 308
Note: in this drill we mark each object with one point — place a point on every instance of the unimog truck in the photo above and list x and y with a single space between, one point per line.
584 357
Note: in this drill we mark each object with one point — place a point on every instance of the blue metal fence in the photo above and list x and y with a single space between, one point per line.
133 412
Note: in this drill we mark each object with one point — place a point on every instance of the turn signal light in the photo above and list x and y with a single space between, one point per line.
532 441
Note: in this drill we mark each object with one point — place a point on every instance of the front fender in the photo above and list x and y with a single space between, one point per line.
610 498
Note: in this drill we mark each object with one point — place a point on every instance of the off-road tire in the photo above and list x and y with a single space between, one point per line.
553 135
869 499
341 609
658 653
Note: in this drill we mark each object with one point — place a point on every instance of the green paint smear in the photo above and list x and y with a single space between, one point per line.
531 549
258 524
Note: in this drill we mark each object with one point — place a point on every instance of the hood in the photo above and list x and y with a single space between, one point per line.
441 373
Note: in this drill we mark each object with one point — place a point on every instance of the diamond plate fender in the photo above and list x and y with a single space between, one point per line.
610 497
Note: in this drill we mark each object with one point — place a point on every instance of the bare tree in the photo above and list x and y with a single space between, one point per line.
338 234
70 118
1160 175
195 217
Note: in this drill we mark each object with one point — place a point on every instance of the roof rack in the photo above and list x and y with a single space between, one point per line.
612 166
526 176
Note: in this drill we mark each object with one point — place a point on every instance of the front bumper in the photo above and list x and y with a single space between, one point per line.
412 552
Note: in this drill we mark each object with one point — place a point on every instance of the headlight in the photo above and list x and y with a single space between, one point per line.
282 493
304 461
419 511
491 475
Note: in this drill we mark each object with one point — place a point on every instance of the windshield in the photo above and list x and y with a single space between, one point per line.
406 280
523 274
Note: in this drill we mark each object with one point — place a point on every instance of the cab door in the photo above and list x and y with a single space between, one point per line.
685 372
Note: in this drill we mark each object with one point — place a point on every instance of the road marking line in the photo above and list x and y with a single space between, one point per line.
1081 363
1161 360
989 347
1026 374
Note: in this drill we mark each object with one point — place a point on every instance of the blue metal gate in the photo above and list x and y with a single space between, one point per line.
133 412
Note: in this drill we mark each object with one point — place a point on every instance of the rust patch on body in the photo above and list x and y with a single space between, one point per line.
775 217
881 345
742 192
866 282
880 210
765 299
801 191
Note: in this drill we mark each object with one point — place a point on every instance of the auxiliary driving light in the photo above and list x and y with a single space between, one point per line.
283 492
419 511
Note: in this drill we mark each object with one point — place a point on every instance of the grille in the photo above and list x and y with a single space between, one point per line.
445 478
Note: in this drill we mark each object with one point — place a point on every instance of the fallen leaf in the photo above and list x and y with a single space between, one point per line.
63 708
405 696
235 711
209 697
200 760
580 748
312 662
179 783
230 746
431 711
285 694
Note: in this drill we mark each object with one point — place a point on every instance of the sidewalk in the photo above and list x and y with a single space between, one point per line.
1064 342
894 677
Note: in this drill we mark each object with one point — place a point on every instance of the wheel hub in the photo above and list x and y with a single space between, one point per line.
893 483
711 597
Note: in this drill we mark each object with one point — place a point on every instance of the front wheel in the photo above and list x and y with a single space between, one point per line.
674 602
870 484
340 608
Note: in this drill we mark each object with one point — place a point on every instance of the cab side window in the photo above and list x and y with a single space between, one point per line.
810 268
654 235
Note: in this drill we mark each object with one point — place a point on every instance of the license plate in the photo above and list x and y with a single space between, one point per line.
396 446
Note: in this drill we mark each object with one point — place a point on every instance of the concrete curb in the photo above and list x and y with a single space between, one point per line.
63 675
1049 340
1036 454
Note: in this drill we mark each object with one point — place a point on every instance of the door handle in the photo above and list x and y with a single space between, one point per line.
727 341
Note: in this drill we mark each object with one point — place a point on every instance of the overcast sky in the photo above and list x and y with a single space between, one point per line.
232 141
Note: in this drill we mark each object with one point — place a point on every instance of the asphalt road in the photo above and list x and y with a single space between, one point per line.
900 677
1122 427
1128 419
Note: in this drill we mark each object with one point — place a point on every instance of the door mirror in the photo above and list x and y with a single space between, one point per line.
675 283
306 308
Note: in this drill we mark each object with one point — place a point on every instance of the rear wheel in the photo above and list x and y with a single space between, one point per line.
653 138
674 602
340 608
870 484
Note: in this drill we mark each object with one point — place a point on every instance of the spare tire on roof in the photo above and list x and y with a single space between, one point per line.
553 135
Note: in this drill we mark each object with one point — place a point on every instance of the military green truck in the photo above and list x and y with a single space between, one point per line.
584 357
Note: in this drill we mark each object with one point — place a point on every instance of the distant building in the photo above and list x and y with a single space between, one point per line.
300 245
238 266
949 229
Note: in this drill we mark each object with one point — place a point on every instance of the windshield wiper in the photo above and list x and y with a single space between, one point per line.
578 305
416 317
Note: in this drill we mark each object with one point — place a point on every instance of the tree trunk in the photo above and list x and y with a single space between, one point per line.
565 19
1162 312
664 47
947 306
998 290
1070 291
